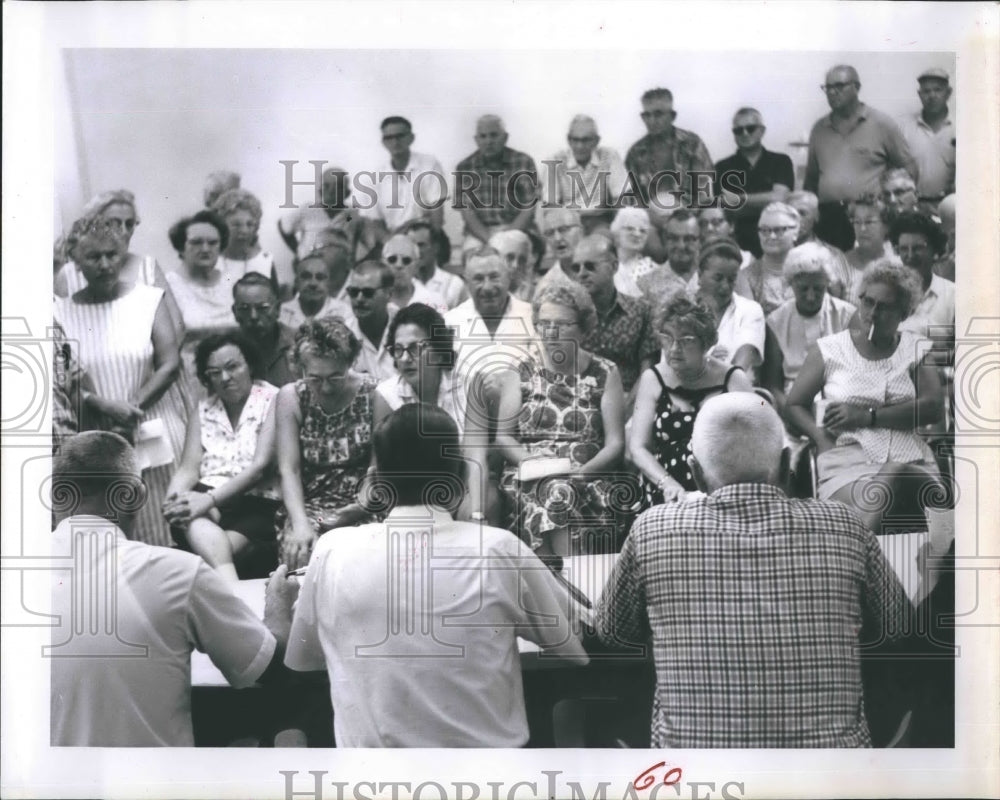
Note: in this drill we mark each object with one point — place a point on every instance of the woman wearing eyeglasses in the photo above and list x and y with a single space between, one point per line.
567 404
224 494
324 425
670 394
630 230
878 388
400 255
870 220
241 212
763 280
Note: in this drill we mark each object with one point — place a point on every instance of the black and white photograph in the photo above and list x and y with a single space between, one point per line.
501 400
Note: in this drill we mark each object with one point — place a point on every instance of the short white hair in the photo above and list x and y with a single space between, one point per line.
627 215
810 258
513 238
583 119
737 438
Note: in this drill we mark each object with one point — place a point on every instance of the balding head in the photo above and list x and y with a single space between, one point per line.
491 135
737 438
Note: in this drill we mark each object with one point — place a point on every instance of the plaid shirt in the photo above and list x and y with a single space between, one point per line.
755 603
493 205
625 335
684 151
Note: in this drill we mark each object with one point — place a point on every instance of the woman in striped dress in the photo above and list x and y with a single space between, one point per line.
126 343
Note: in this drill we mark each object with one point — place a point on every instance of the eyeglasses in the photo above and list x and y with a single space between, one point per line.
326 380
585 266
686 342
405 260
553 328
779 230
260 308
355 292
231 368
562 230
412 351
835 87
739 130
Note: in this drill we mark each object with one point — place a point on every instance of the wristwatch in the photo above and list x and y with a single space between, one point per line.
871 416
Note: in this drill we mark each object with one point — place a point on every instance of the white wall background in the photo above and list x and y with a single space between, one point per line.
157 121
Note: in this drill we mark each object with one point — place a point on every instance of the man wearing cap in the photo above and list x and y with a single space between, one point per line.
849 149
584 175
931 136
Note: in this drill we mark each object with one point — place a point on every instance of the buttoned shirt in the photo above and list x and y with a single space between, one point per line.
934 152
421 294
451 398
406 194
479 351
742 323
682 151
133 689
844 166
445 284
935 313
591 187
770 169
624 334
447 673
754 603
374 360
494 197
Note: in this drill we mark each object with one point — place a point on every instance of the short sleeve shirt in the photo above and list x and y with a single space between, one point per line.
502 188
624 335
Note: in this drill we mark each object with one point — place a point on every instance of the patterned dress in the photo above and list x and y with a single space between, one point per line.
560 417
676 410
335 453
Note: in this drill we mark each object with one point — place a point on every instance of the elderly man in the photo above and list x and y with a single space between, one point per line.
754 602
368 288
899 193
131 688
515 249
429 275
563 230
624 331
807 204
666 149
496 188
400 255
849 149
408 186
682 239
764 177
931 134
585 175
473 590
256 308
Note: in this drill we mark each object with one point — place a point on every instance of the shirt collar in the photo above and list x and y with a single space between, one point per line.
88 521
740 493
923 124
420 512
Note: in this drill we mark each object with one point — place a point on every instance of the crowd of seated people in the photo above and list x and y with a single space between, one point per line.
571 347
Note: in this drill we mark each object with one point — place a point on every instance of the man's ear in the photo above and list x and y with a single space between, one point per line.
699 475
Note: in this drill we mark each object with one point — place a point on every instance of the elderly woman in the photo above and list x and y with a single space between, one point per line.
564 411
670 394
241 212
222 495
876 389
740 327
324 424
125 342
795 326
630 231
870 219
763 280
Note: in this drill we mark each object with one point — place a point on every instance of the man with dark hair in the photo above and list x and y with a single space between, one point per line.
447 285
764 176
449 675
132 688
369 288
666 148
256 308
408 186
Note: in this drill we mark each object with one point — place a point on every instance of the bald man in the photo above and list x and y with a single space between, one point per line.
585 175
754 602
496 188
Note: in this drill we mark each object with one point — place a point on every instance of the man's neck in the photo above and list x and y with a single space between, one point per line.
685 273
311 307
849 111
267 341
373 326
751 154
402 293
400 161
493 322
426 272
604 299
666 134
936 119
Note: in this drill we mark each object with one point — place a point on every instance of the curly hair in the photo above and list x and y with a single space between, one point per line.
568 295
809 258
872 201
920 224
178 231
326 337
210 344
682 311
890 271
90 226
99 203
233 200
441 338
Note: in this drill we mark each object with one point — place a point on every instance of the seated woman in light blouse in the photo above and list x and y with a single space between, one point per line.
224 494
877 389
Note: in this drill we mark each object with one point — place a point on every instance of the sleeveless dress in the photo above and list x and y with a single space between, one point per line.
560 417
334 454
672 429
145 274
116 349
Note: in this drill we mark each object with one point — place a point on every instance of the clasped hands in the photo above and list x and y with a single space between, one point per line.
180 508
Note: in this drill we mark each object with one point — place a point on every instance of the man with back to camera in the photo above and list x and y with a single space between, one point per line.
666 148
766 177
256 308
849 149
931 134
409 186
165 602
754 602
451 675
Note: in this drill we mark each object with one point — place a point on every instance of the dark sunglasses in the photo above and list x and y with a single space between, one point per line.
358 291
740 129
406 260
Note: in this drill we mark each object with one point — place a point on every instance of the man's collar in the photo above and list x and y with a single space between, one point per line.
88 522
860 113
419 513
741 491
923 123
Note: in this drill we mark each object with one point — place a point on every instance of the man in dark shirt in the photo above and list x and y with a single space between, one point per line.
666 148
256 308
764 176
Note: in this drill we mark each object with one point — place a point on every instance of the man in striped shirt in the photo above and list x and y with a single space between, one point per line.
755 603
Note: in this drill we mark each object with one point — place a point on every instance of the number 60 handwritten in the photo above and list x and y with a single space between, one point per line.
645 779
